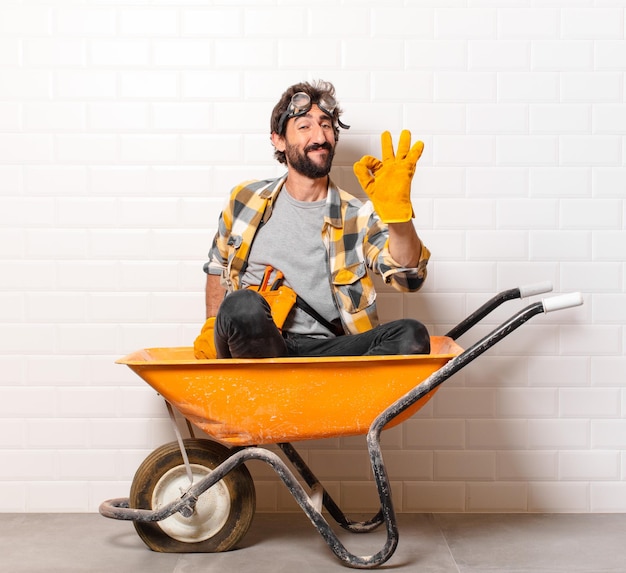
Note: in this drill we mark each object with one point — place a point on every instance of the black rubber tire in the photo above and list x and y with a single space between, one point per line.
208 454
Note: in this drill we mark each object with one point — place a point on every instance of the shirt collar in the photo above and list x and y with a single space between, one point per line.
332 215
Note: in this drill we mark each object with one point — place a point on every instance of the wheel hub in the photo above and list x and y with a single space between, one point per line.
210 513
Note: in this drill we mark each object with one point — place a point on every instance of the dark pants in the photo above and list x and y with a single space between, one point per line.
244 329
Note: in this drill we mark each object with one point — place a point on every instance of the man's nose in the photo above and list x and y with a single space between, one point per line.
318 135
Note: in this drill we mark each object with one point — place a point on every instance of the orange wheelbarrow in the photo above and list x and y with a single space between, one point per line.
196 495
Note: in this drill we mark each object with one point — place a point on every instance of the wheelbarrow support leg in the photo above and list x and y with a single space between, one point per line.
319 521
327 501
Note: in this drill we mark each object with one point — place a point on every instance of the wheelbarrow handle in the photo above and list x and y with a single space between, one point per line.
560 302
535 288
470 354
495 302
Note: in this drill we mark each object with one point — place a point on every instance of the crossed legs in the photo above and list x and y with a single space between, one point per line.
244 329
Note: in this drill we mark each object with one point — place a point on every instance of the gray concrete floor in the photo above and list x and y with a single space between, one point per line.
438 543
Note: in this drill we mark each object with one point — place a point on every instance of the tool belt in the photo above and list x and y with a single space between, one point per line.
282 299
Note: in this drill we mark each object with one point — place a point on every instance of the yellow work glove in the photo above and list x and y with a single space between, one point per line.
204 345
388 182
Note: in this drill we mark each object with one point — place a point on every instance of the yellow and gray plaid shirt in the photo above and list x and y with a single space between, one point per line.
355 239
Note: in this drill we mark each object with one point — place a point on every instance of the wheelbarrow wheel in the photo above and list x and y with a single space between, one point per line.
222 514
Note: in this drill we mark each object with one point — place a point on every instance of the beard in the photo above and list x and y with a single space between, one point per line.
304 165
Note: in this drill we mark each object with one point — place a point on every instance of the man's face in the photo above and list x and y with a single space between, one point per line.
310 143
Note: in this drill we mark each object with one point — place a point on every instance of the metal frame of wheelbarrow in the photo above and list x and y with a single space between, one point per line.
312 503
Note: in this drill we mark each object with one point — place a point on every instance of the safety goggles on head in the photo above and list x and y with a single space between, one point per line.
301 103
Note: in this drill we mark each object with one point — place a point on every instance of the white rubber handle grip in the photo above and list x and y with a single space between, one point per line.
537 288
562 301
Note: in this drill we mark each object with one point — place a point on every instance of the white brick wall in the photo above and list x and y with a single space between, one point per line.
122 127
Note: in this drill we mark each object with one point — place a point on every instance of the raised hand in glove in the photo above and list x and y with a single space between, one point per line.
388 182
204 345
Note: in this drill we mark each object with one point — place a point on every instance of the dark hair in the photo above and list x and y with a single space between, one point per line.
316 90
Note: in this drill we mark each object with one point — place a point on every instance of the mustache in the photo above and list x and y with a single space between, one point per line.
316 146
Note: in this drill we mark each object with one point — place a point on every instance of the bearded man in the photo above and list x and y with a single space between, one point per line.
302 232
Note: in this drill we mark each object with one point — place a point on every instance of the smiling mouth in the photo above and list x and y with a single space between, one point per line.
325 148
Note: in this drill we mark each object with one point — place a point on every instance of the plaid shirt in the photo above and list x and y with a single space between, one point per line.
355 239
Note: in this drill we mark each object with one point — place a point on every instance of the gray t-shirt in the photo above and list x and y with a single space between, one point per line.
291 241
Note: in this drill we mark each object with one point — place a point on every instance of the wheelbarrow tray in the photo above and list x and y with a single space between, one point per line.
243 402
